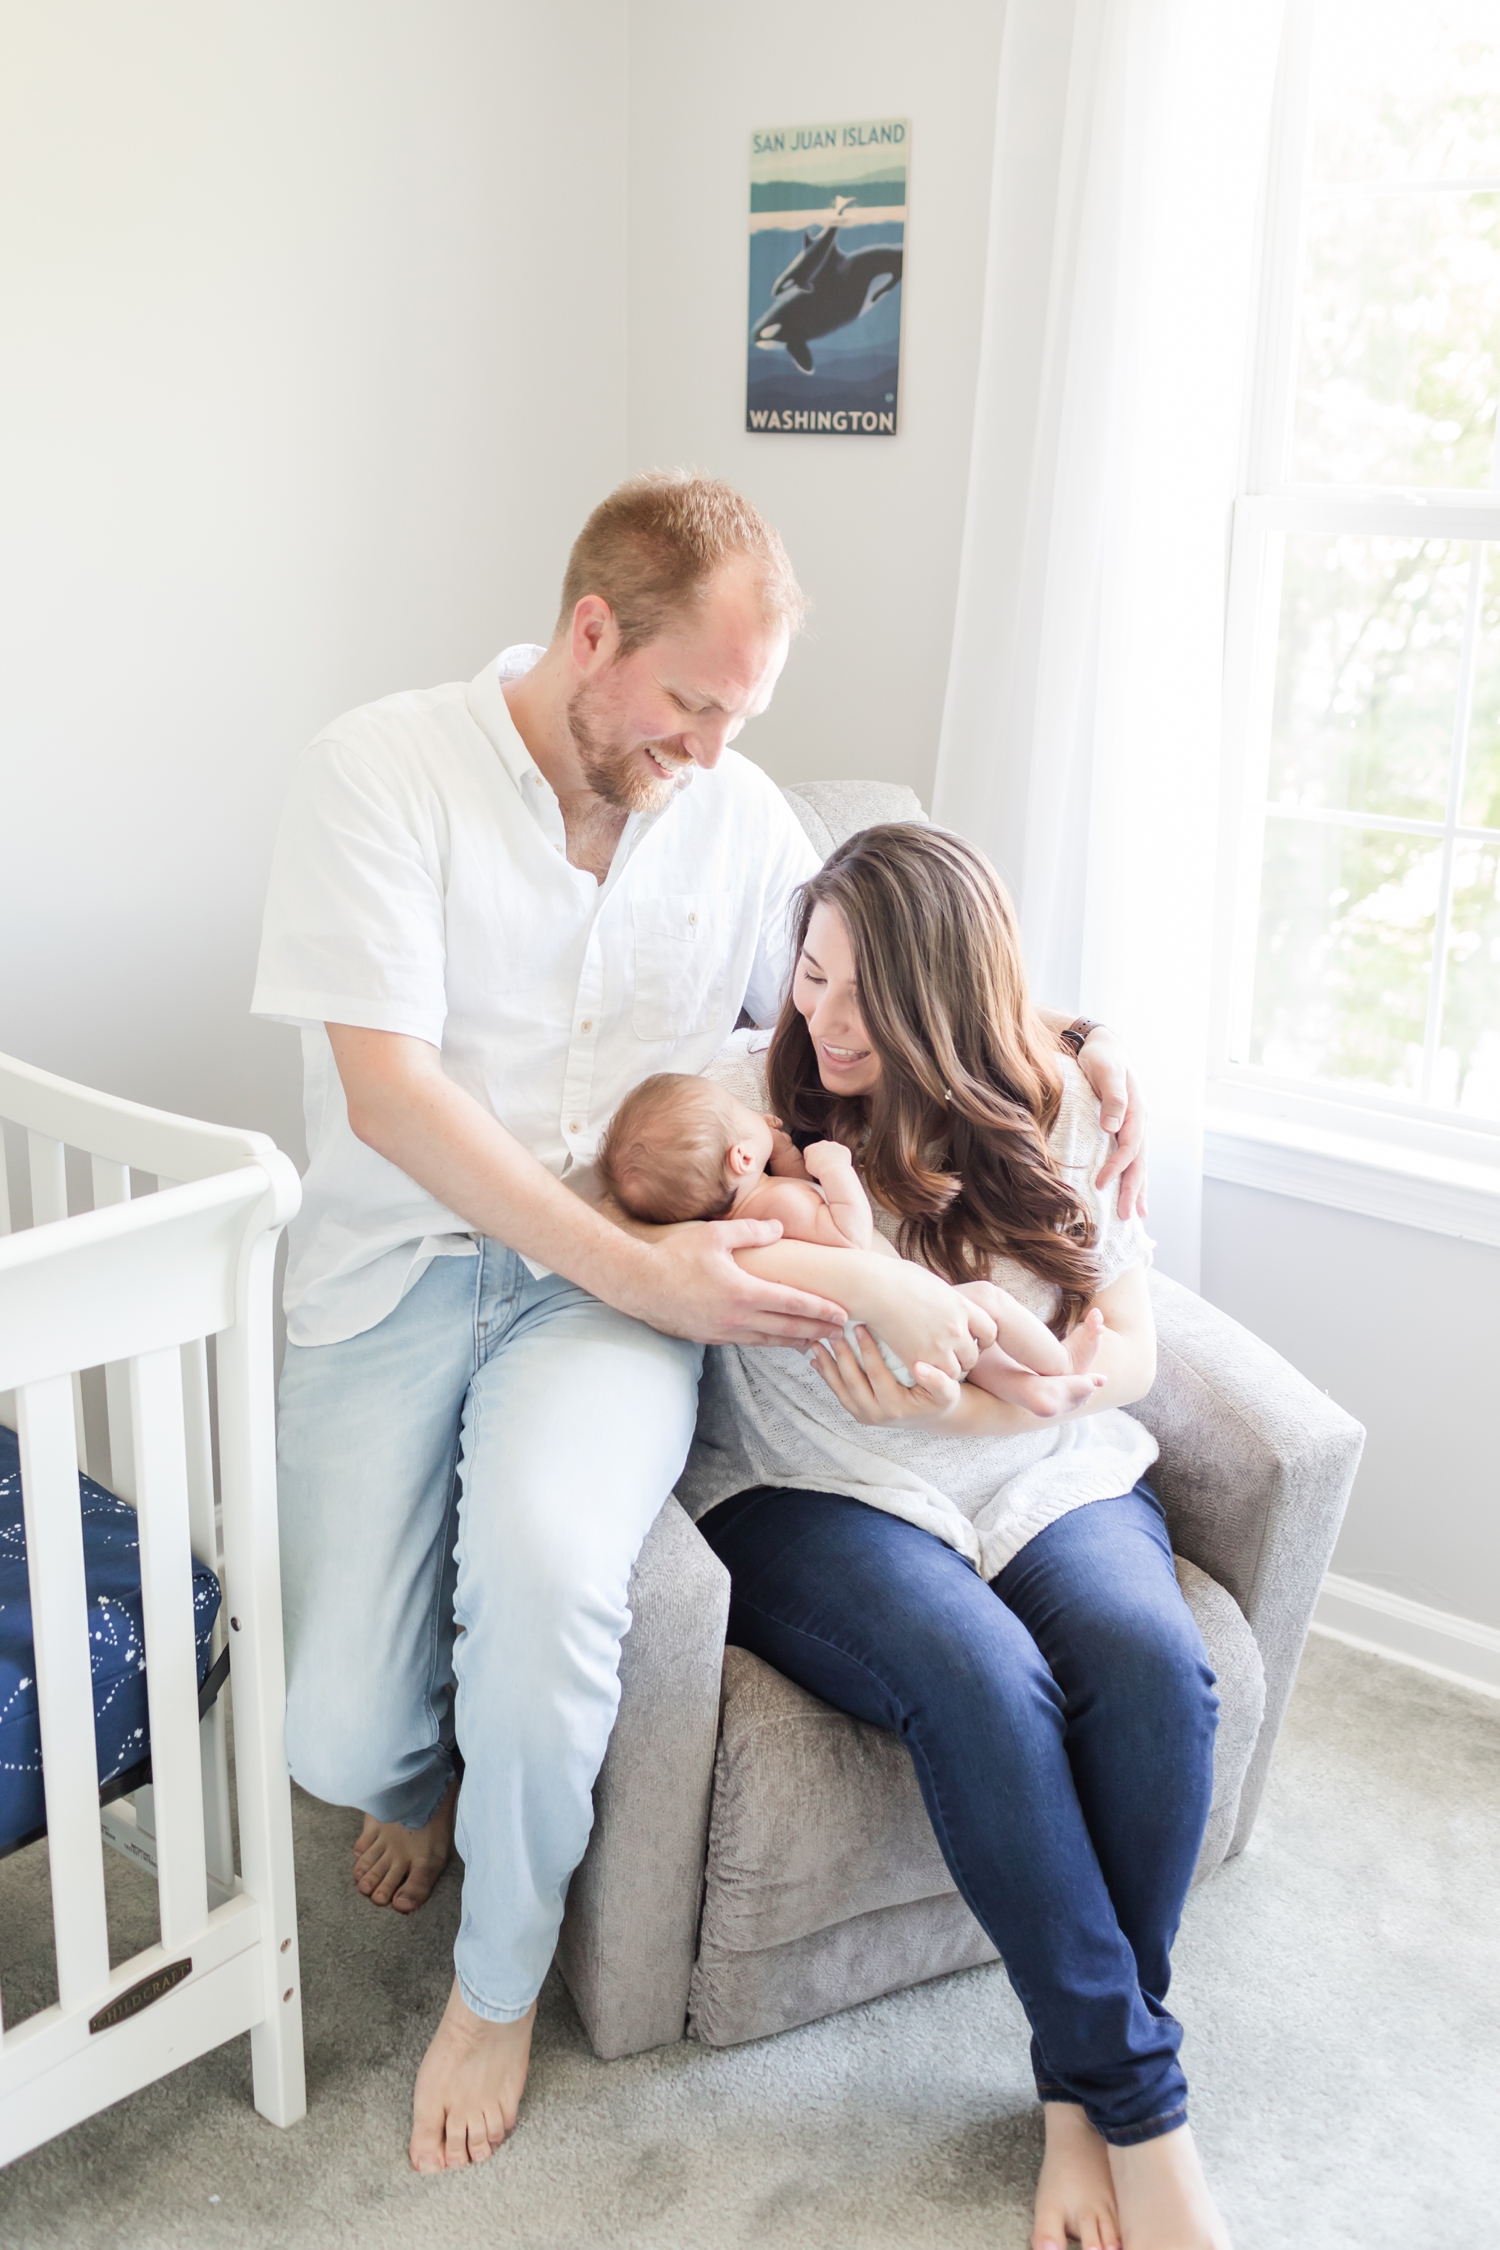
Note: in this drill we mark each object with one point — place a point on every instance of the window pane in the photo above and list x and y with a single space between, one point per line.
1345 953
1399 361
1481 805
1468 1069
1367 673
1406 89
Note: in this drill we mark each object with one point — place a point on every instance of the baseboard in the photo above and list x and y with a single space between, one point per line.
1452 1648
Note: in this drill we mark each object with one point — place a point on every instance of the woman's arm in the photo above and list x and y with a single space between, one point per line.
1125 1357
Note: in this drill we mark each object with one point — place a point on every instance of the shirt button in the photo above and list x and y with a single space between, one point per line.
573 1125
692 918
587 1024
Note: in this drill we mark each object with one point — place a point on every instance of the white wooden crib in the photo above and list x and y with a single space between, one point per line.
135 1286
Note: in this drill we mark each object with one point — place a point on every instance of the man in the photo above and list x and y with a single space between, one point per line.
493 910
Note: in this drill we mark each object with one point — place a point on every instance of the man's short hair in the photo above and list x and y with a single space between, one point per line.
653 545
663 1154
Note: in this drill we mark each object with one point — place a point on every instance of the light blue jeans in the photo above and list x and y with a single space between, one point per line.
464 1489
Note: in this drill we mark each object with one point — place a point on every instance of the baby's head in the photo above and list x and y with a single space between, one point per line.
682 1148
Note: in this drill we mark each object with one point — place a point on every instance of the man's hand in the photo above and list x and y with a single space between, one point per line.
692 1286
1121 1112
682 1280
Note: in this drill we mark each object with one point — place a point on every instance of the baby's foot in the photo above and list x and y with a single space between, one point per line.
1046 1396
469 2087
397 1866
1162 2196
1075 2196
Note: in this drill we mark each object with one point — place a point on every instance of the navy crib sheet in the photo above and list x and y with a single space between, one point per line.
112 1572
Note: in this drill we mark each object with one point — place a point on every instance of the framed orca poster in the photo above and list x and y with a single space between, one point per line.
827 244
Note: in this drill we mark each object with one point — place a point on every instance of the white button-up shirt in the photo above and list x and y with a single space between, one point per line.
420 885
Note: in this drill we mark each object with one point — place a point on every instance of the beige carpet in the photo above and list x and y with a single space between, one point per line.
1340 1984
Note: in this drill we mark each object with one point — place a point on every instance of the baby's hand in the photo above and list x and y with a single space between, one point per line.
827 1159
785 1161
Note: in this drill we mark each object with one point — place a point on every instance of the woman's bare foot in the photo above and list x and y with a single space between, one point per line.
396 1866
1075 2196
1162 2196
468 2088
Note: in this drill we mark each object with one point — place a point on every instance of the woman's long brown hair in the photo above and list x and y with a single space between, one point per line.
953 1137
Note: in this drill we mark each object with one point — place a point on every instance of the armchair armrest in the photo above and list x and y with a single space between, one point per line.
630 1932
1255 1472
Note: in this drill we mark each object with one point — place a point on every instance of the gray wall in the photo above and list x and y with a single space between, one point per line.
1403 1328
314 362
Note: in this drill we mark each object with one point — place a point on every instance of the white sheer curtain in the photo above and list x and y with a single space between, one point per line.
1081 729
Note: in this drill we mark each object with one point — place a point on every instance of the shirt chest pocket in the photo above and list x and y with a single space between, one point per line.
679 966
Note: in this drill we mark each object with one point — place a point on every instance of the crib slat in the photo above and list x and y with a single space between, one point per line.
60 1624
200 1451
212 1746
112 1185
49 1201
171 1659
49 1179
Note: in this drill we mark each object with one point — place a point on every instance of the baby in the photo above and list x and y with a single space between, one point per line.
683 1148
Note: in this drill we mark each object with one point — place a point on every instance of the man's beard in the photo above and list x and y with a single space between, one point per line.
609 765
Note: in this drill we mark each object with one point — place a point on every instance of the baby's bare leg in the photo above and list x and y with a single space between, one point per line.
1046 1396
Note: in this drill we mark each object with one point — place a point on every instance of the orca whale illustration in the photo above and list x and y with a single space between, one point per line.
822 290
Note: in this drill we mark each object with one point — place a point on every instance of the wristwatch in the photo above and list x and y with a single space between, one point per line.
1075 1035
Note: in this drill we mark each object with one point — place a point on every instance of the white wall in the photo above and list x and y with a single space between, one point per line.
1402 1327
873 524
313 366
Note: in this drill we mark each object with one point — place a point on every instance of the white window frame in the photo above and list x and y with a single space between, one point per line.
1355 1148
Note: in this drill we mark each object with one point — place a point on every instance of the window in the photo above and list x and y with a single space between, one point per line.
1360 984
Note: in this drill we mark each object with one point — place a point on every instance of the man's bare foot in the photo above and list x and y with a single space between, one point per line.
1162 2196
468 2088
1075 2196
396 1866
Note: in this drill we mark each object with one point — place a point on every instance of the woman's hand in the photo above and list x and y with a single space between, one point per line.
925 1320
871 1392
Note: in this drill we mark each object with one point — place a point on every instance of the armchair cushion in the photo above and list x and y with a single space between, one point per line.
832 810
819 1845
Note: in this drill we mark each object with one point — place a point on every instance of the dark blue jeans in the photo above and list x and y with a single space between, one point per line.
1061 1723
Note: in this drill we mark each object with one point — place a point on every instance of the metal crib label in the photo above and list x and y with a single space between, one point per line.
137 1996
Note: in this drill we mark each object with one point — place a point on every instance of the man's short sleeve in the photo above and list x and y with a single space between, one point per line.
354 925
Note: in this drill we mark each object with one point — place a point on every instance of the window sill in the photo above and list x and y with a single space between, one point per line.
1413 1187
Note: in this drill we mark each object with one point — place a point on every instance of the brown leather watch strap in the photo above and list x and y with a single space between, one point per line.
1075 1035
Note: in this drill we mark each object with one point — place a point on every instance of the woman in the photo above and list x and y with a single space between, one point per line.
997 1590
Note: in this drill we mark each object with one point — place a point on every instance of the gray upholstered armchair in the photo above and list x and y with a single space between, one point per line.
758 1859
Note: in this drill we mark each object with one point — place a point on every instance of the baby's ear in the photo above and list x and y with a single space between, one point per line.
739 1159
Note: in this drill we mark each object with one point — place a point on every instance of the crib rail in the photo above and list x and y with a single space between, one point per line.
137 1286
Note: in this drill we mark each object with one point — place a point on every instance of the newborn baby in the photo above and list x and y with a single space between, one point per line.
683 1148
